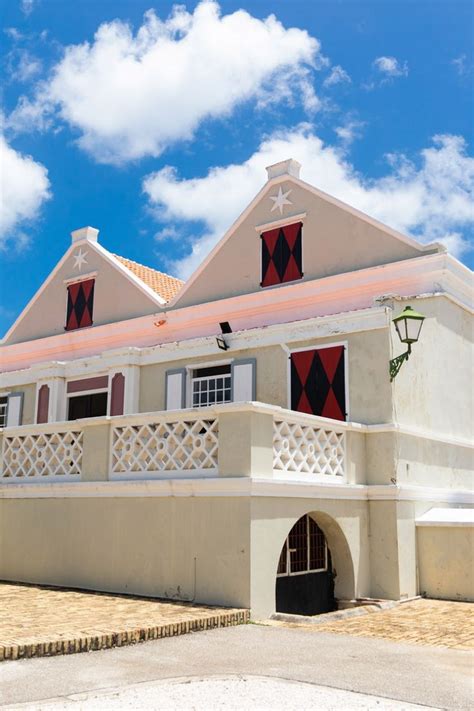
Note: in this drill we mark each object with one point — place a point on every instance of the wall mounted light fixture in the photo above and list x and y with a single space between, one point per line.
408 325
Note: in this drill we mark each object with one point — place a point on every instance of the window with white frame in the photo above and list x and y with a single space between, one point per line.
305 550
3 411
211 386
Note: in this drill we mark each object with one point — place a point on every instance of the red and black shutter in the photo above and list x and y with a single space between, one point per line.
80 302
318 382
281 254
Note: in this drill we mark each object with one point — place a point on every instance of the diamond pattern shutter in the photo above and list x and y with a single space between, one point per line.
281 254
318 382
80 301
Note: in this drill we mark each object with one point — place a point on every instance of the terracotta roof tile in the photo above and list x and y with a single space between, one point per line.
162 284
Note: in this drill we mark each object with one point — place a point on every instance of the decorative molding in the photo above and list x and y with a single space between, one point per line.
282 222
234 486
80 277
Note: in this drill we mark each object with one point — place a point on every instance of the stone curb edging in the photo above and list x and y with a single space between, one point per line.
336 615
90 643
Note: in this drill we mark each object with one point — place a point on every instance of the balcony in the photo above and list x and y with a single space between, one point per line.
233 440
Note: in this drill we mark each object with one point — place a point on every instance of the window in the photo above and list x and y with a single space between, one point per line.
91 405
282 255
3 411
305 549
80 302
211 386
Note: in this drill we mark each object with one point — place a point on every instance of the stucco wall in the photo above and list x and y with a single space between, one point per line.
115 299
271 376
369 385
445 562
334 242
433 390
29 401
184 548
345 524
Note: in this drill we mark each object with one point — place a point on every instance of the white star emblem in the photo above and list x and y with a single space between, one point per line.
280 200
79 259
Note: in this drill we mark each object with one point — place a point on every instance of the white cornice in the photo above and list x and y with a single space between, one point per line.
294 331
233 486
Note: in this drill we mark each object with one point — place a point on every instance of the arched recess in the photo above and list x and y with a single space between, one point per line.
339 558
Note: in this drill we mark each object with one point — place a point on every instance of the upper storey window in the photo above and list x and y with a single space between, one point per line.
281 255
80 302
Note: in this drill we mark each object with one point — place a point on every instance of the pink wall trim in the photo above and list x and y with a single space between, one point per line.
283 304
43 404
118 394
77 386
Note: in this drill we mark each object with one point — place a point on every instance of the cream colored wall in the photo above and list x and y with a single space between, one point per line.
369 385
115 299
445 562
346 526
271 376
334 242
426 462
433 390
184 548
29 401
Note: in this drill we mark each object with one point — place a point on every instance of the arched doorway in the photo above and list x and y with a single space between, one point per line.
305 580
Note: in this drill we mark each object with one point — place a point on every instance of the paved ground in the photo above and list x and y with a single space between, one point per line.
38 621
427 622
225 694
431 676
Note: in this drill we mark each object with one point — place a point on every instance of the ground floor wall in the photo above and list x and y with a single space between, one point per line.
224 550
345 525
188 548
445 562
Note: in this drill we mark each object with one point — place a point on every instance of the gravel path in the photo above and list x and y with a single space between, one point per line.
224 693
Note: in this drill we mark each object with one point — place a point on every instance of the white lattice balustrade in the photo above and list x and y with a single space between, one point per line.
165 446
42 455
307 449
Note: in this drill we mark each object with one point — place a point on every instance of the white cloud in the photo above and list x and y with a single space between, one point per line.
391 67
23 66
338 75
349 131
24 187
132 95
431 199
27 7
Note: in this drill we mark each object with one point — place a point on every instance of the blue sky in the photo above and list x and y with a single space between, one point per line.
155 125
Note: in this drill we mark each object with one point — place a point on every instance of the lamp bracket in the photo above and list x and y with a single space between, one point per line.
396 363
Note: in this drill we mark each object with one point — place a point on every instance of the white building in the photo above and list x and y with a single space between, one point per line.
237 439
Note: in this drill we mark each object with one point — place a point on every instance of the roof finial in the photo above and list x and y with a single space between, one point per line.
85 233
285 167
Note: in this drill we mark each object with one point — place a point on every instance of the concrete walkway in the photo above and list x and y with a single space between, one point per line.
431 676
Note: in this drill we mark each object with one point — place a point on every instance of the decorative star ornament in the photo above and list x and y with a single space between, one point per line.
280 200
79 259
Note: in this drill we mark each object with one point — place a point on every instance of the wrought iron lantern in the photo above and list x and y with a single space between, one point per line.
408 325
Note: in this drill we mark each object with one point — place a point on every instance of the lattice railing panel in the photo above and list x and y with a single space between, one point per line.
35 456
305 449
166 446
